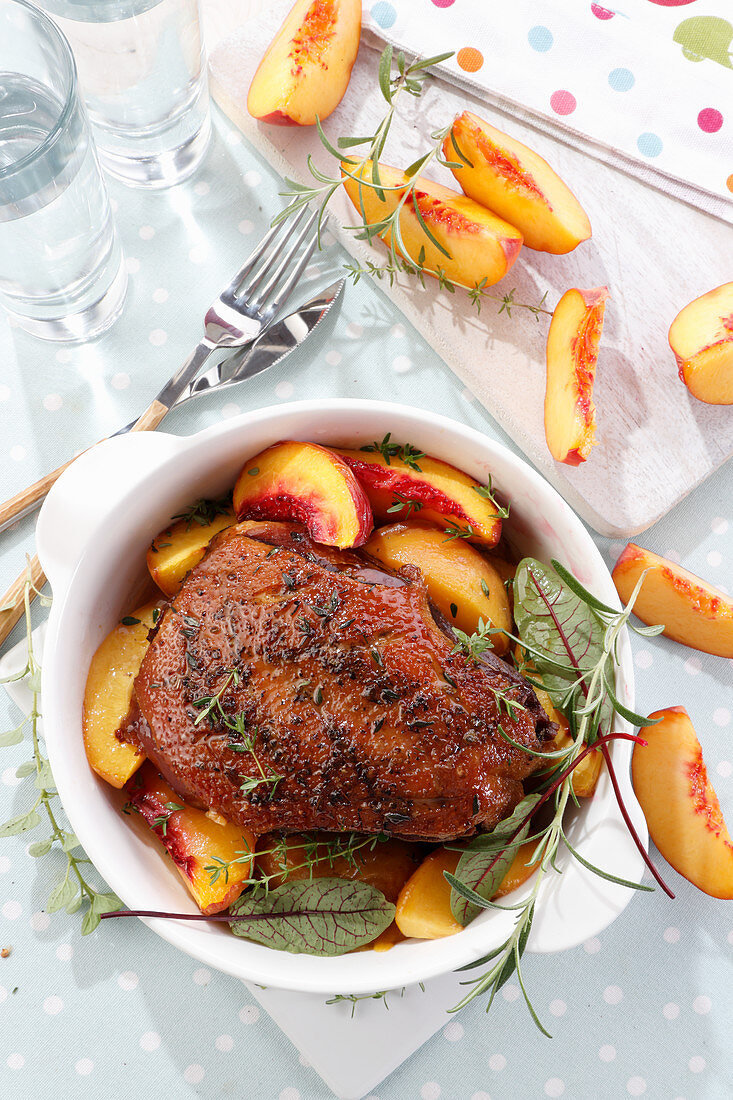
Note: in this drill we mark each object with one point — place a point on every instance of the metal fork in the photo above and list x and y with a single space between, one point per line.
241 313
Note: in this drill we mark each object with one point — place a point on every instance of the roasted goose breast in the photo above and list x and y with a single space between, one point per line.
292 687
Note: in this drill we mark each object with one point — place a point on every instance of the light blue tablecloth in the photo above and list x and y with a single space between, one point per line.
645 1009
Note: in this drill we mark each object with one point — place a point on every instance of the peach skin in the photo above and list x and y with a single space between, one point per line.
692 611
428 488
517 184
701 337
476 246
194 840
108 694
572 353
306 68
680 806
308 484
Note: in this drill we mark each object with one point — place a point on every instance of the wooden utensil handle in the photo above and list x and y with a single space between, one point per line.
13 603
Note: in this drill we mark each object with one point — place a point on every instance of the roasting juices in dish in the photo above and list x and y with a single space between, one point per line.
334 718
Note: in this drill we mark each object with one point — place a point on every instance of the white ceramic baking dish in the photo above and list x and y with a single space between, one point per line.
92 536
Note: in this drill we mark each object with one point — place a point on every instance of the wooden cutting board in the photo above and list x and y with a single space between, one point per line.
655 442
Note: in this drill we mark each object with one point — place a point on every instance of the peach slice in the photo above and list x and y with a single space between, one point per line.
108 695
306 68
701 337
308 484
413 484
481 247
680 806
460 581
423 907
194 840
572 352
692 611
517 184
174 552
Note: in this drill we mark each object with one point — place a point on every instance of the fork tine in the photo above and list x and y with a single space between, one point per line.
269 257
287 259
287 287
260 251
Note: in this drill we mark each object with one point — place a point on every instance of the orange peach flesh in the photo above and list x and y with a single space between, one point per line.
680 806
480 246
175 551
517 184
308 484
701 337
693 612
572 353
305 70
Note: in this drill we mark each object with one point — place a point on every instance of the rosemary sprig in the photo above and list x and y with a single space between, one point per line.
315 853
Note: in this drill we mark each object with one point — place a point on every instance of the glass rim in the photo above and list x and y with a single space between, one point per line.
67 57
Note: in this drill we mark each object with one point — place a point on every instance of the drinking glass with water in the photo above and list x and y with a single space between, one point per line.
61 271
143 77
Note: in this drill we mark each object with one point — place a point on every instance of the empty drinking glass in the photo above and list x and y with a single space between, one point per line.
143 76
61 272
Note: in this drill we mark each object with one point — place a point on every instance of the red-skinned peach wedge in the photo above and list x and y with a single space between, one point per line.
517 184
480 247
194 840
692 611
680 806
572 353
429 488
701 337
309 484
305 71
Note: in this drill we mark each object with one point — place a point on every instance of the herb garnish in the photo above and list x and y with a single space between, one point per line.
486 492
456 532
204 512
388 450
404 504
162 821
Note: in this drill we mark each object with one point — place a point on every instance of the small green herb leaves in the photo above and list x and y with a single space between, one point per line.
326 916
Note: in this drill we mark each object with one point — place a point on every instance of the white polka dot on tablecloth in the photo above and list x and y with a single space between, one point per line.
128 980
674 555
693 665
224 1043
15 1061
718 525
696 1064
233 138
612 995
193 1074
289 1094
113 204
40 921
229 410
158 337
252 178
721 716
17 453
730 937
510 992
146 232
250 1014
63 355
714 558
643 659
284 390
52 1005
160 295
554 1087
398 331
64 952
592 946
467 396
558 1008
333 358
401 364
354 330
3 994
671 1011
10 779
245 227
4 393
52 402
636 1086
453 1031
150 1041
497 1062
120 381
197 254
306 1064
132 265
607 1053
480 1096
5 864
202 976
702 1005
11 910
431 1090
671 935
84 1067
724 768
201 188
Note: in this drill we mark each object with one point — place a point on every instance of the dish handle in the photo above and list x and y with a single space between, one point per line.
84 494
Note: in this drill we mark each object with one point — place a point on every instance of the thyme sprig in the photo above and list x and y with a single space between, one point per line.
204 512
316 852
405 452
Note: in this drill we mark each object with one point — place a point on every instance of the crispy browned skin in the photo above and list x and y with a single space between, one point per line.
347 689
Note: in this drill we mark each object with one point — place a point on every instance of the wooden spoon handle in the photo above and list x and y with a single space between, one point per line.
13 602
